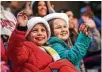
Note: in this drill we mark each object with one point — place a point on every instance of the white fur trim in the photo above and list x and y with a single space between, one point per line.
35 20
57 15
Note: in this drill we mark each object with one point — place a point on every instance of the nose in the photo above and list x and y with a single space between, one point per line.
63 29
43 7
39 33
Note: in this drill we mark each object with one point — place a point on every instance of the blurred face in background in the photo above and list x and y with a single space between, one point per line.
72 20
60 29
42 8
17 4
70 15
28 8
88 21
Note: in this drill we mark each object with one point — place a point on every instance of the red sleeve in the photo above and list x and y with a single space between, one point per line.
3 52
33 68
17 53
63 62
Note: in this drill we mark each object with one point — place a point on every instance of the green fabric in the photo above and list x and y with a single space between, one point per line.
74 54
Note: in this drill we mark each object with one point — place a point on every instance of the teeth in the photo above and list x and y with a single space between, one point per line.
63 33
40 38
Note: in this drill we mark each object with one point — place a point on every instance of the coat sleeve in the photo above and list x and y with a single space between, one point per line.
77 52
52 66
17 53
33 68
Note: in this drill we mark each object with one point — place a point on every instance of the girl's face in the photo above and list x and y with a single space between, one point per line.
61 29
42 8
38 34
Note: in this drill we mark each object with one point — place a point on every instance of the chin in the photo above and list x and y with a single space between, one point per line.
65 38
44 14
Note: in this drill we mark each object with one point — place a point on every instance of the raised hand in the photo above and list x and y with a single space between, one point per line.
84 29
22 18
90 23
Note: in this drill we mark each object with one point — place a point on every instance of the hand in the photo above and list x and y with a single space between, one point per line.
90 23
50 6
84 29
4 67
22 18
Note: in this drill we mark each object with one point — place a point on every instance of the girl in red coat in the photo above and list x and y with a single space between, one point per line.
28 50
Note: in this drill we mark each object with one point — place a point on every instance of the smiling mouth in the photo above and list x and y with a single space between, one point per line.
40 38
43 10
63 34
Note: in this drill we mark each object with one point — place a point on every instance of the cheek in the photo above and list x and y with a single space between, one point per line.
67 29
46 35
45 8
57 32
32 36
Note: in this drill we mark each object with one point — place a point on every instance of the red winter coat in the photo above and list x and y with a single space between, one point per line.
27 57
3 52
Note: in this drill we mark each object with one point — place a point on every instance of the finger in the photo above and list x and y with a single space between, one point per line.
21 13
85 30
25 17
81 25
82 28
86 33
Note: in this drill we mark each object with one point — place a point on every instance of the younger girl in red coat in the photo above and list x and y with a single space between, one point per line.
28 50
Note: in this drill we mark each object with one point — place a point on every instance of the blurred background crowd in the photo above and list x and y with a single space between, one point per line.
78 12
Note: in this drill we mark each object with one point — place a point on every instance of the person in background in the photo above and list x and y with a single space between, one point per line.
87 19
59 25
73 25
7 24
31 53
95 18
93 57
41 8
13 6
27 9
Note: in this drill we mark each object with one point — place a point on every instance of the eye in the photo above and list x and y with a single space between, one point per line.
34 30
65 26
43 30
58 27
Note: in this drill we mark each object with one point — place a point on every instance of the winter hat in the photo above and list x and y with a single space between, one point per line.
85 9
57 15
35 20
